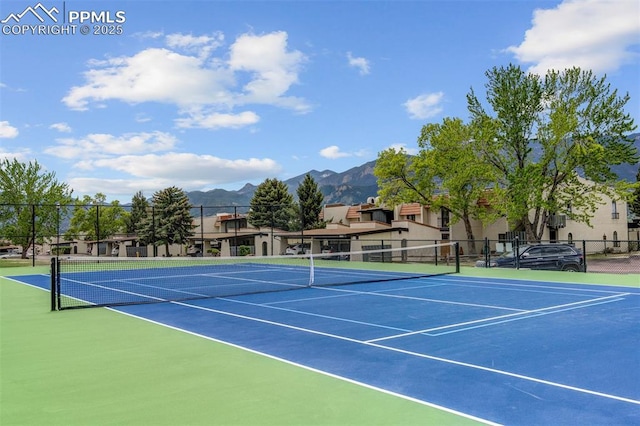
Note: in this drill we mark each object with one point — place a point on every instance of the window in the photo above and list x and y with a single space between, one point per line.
614 210
616 242
535 252
570 238
444 217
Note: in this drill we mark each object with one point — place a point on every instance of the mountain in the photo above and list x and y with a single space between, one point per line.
353 186
628 171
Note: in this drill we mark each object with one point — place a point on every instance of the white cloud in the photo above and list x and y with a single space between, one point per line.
362 64
334 152
272 69
97 145
254 70
591 34
425 106
7 131
202 45
148 161
187 167
216 120
61 127
152 75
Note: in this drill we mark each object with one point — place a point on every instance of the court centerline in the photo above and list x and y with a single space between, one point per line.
268 306
521 315
424 299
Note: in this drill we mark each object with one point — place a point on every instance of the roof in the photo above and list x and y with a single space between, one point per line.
353 212
409 209
227 235
339 233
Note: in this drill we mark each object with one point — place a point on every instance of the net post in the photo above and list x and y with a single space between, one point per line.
311 271
54 274
456 246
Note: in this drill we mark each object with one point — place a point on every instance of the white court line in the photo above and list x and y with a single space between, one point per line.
306 367
311 314
345 294
460 281
423 299
419 355
521 315
111 289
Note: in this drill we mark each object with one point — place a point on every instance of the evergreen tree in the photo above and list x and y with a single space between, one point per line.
634 206
139 211
310 204
272 206
170 220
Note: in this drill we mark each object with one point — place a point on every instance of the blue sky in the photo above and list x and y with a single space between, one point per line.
217 94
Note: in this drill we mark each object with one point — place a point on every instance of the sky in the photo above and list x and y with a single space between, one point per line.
117 97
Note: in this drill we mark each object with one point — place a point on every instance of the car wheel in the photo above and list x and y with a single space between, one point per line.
571 268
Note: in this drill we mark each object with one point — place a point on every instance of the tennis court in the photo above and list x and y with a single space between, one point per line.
502 351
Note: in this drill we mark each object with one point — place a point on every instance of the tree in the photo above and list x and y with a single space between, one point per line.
310 204
170 221
30 196
543 134
634 205
461 178
94 219
139 211
445 173
400 180
272 205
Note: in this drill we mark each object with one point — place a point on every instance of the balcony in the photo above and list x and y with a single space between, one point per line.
615 215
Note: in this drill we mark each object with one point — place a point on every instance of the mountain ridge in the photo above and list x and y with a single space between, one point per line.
353 186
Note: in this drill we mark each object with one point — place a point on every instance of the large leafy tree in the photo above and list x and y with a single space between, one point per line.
272 205
310 204
446 173
94 219
461 178
30 196
401 179
170 220
541 133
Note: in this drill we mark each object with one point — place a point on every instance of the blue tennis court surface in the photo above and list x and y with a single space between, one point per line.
505 351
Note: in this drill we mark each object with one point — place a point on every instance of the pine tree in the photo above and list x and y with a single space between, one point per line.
139 211
634 206
272 206
170 221
310 204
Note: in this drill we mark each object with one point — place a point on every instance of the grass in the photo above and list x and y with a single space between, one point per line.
99 367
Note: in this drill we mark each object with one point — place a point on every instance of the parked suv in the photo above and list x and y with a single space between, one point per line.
552 257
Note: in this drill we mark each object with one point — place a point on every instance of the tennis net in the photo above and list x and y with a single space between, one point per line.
78 282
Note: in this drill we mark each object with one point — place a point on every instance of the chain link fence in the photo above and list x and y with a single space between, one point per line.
34 233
